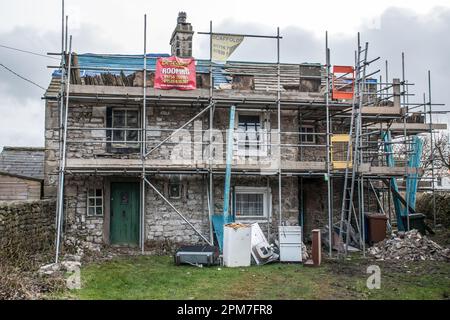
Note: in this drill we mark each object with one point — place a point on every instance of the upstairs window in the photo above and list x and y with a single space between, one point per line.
250 135
125 132
308 134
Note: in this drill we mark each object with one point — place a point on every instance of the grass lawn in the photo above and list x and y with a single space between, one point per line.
156 277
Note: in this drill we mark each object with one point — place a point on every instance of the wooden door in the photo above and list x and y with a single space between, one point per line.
124 213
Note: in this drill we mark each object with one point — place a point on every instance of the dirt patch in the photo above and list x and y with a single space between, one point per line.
16 284
19 278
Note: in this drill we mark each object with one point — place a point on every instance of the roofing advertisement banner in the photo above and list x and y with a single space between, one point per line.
224 45
175 73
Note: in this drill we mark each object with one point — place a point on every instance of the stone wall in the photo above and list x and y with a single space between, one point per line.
26 226
51 149
163 224
87 229
161 121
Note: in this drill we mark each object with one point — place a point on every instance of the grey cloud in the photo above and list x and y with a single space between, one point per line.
422 37
86 38
22 109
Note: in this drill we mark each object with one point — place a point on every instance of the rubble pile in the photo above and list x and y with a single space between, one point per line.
411 246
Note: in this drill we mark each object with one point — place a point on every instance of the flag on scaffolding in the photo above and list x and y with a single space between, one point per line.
175 73
223 46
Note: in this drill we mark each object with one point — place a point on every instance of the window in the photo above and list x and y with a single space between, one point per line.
250 136
95 202
175 187
308 134
122 119
251 202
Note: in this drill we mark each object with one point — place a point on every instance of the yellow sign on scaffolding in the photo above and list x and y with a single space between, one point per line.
339 147
224 45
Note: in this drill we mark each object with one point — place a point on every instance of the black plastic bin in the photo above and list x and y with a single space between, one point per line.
416 221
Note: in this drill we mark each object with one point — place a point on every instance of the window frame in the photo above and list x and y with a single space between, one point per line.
125 146
303 136
95 206
267 203
261 151
180 186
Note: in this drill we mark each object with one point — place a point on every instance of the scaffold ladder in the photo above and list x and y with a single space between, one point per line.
353 144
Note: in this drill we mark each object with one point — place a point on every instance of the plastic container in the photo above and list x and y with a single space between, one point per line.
376 227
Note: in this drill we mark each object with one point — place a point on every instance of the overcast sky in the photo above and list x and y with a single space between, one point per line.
421 29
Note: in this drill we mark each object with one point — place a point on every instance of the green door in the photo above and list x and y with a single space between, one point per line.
125 213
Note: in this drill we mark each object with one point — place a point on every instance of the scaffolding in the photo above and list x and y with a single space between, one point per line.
364 127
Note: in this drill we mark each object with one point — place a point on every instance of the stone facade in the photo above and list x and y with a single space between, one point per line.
88 229
161 222
26 225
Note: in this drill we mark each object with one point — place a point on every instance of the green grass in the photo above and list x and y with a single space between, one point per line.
156 277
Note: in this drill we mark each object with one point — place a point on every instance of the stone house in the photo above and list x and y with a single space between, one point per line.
107 199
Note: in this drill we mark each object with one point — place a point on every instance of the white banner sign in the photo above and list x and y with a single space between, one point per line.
223 46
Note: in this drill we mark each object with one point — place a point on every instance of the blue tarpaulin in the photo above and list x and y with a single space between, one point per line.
123 62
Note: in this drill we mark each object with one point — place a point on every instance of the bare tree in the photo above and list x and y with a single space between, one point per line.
439 155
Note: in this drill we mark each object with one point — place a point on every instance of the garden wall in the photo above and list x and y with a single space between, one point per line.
26 226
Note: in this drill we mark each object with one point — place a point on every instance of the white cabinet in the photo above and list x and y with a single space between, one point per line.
290 243
237 245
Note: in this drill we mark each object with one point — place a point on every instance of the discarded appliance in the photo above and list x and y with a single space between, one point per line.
262 251
197 255
237 245
290 243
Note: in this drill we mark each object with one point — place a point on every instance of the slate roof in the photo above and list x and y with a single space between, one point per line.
23 161
124 62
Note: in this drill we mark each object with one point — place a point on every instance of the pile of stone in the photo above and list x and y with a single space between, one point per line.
409 246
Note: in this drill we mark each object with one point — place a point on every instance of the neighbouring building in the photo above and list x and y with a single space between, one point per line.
21 173
442 183
111 138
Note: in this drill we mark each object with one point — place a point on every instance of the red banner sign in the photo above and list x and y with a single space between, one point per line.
175 73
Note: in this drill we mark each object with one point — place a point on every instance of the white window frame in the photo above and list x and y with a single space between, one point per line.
95 206
180 186
125 143
267 205
312 134
263 135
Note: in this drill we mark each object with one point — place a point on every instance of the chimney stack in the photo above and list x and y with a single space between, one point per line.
181 40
